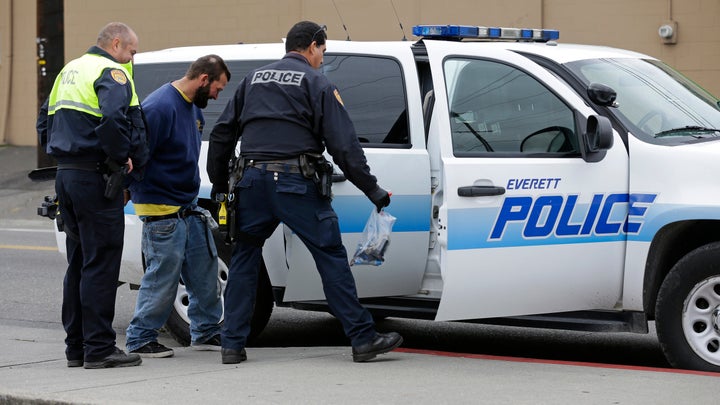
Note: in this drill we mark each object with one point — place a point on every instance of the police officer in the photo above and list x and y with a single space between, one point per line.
286 111
92 126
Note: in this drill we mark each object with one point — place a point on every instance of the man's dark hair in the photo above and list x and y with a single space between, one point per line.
213 65
302 34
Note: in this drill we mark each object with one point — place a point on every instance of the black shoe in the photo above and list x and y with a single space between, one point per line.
75 363
116 359
153 349
383 343
214 344
232 356
74 355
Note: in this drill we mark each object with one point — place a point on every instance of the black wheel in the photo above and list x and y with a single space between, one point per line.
178 324
687 312
378 316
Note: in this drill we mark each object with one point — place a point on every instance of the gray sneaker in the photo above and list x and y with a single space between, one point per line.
154 349
212 344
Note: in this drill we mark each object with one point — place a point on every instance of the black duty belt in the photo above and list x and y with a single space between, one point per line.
182 214
282 165
87 166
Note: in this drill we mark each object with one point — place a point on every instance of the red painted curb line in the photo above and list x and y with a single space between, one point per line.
558 362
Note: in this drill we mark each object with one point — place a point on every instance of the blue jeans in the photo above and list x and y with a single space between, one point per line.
174 248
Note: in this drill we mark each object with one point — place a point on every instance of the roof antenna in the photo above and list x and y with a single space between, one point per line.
341 20
398 19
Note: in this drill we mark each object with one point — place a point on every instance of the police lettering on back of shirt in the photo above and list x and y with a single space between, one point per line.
304 112
278 76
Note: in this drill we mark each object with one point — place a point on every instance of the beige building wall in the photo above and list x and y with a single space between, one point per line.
630 24
18 82
167 23
633 24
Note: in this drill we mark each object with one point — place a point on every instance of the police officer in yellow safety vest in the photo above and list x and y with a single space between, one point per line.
92 125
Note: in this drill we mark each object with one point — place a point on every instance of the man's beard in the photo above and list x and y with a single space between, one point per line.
202 95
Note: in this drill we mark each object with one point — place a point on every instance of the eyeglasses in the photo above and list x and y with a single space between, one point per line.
321 29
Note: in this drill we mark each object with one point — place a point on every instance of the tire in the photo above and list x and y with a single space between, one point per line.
687 311
178 324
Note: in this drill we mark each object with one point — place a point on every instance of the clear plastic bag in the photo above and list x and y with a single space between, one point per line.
375 239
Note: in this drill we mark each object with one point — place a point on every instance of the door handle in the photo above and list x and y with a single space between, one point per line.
480 191
338 178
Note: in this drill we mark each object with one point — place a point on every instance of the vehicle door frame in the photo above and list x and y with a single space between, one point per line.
486 279
404 171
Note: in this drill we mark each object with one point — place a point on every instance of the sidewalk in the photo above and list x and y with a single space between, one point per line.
33 369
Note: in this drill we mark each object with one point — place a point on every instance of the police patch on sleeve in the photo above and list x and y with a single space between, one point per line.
337 96
118 75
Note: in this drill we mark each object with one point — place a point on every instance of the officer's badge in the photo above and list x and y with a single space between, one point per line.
119 76
339 99
199 125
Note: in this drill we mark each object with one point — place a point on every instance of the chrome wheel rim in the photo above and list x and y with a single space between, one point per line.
701 319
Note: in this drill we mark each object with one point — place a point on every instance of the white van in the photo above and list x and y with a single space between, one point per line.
534 184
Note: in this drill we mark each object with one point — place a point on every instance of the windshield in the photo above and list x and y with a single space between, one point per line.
655 102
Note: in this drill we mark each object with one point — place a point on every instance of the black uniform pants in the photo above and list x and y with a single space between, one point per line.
264 199
94 227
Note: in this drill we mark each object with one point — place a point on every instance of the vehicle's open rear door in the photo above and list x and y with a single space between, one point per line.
382 97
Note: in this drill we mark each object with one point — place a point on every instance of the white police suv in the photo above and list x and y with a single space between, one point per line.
534 183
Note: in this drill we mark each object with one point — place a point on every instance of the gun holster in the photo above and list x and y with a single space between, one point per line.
236 166
319 170
114 178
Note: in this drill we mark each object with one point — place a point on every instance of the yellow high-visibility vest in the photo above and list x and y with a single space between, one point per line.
73 87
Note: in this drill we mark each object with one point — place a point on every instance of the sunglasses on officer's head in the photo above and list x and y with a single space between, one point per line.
321 29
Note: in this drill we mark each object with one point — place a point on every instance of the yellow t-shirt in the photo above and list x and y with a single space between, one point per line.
155 209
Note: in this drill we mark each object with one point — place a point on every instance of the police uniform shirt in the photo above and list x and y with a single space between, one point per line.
74 136
283 110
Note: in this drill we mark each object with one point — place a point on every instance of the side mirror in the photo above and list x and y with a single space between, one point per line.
599 134
601 94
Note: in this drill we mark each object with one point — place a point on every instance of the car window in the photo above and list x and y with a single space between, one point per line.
149 77
500 110
655 102
371 88
372 91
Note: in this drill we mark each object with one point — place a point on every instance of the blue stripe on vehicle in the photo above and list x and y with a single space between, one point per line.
471 228
412 211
